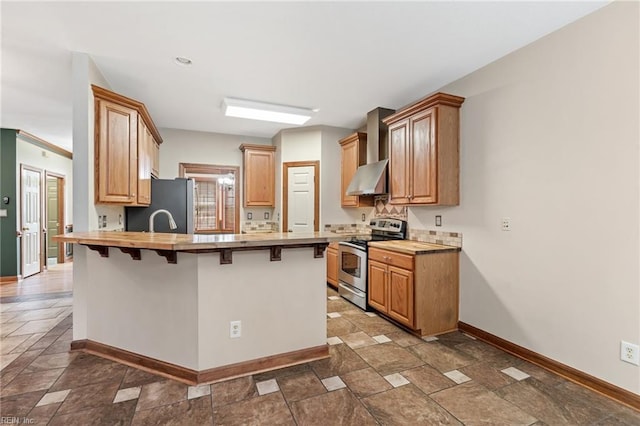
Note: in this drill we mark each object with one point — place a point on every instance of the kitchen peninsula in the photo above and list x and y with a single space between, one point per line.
166 302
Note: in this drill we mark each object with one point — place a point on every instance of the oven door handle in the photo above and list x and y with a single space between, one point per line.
359 294
348 244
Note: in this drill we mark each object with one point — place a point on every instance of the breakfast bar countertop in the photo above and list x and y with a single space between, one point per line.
185 242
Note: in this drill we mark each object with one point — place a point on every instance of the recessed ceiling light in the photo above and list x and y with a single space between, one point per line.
254 110
185 62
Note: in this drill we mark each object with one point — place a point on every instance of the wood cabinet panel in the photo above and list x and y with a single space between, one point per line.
124 134
332 264
259 175
398 161
377 293
437 292
155 157
116 153
145 152
424 152
391 258
420 292
400 305
423 165
353 155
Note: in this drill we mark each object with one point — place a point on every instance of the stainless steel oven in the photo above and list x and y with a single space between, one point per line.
352 258
352 272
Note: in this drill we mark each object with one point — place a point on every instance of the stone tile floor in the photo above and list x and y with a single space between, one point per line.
377 374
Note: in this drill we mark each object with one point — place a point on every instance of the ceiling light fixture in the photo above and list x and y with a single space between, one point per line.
185 62
253 110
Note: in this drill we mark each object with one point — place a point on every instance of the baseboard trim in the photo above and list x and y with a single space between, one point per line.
614 392
194 377
8 279
132 359
263 364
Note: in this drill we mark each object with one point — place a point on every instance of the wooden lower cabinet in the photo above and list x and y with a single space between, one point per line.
377 292
401 285
332 265
417 291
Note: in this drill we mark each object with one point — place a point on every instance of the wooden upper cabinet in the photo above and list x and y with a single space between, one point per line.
354 154
116 153
145 153
155 160
124 138
398 159
259 175
424 157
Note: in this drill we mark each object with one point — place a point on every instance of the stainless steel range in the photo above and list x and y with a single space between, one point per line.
352 258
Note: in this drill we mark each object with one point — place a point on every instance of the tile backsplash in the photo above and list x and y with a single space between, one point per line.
345 228
382 208
256 226
436 237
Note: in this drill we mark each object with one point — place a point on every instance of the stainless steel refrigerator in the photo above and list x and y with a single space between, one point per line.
174 195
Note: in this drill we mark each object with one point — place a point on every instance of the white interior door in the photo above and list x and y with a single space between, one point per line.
31 222
300 198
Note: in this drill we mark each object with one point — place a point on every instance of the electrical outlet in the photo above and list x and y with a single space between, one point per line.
364 217
235 329
629 353
438 220
506 224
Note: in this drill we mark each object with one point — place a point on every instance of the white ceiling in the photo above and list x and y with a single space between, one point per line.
343 58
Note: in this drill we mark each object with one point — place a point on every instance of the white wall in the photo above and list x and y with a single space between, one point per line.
85 214
550 138
317 143
32 155
186 146
302 144
299 144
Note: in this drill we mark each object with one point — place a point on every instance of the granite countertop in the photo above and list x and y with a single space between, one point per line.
184 242
412 247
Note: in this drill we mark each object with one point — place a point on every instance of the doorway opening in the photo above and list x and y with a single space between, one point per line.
31 220
216 204
301 196
54 216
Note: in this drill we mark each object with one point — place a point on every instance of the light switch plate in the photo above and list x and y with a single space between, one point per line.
3 212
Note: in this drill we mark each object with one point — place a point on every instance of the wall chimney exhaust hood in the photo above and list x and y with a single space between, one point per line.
369 179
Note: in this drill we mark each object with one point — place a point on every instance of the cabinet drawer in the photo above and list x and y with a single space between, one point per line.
391 258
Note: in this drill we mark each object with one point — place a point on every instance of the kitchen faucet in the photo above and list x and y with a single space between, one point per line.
172 223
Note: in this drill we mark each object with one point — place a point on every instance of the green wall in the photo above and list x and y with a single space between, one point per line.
8 185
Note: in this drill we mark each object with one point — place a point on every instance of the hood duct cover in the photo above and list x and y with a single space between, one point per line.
369 179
